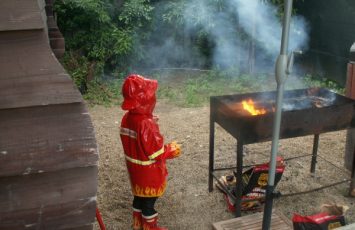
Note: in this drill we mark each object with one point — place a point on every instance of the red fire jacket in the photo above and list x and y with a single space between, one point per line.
142 142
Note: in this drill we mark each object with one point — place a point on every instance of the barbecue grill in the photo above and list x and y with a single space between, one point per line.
304 112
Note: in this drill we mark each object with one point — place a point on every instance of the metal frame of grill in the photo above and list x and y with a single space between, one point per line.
248 129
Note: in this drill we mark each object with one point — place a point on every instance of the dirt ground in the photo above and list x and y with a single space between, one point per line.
187 204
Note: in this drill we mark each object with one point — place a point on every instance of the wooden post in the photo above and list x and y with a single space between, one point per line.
349 158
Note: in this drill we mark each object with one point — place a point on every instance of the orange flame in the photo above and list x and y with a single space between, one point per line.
249 106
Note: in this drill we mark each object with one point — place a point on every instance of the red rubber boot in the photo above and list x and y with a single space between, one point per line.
151 223
137 219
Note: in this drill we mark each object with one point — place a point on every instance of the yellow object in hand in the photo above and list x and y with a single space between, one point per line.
176 148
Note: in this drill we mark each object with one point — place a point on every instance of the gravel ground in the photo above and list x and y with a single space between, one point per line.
187 204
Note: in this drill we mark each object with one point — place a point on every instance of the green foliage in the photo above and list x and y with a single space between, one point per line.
195 90
101 35
87 27
173 13
135 16
280 6
136 13
77 67
108 93
317 81
190 24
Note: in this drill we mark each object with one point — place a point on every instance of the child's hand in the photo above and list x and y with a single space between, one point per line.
176 148
173 150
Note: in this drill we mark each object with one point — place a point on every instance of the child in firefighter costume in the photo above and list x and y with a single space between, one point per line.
144 150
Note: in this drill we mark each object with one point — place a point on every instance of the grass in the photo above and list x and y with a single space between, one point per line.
104 93
191 91
195 89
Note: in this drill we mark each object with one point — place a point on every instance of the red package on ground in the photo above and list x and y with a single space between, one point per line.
257 176
250 202
321 221
254 182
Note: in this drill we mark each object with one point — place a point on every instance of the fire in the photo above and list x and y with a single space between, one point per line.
249 106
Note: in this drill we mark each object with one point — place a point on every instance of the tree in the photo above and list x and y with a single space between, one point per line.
99 34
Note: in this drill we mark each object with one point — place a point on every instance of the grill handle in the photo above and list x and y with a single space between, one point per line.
291 61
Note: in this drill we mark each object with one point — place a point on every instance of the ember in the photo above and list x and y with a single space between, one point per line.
304 102
250 107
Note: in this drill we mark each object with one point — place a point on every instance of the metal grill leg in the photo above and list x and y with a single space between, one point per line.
314 153
211 160
352 185
238 202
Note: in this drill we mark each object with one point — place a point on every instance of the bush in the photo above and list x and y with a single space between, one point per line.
99 35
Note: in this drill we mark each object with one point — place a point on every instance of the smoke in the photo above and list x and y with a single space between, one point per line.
221 29
259 20
238 32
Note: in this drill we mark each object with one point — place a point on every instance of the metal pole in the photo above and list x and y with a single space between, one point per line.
281 72
211 157
239 189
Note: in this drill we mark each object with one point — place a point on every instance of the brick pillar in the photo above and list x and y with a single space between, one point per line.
350 138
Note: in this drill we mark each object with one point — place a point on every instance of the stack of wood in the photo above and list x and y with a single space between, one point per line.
48 152
254 222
